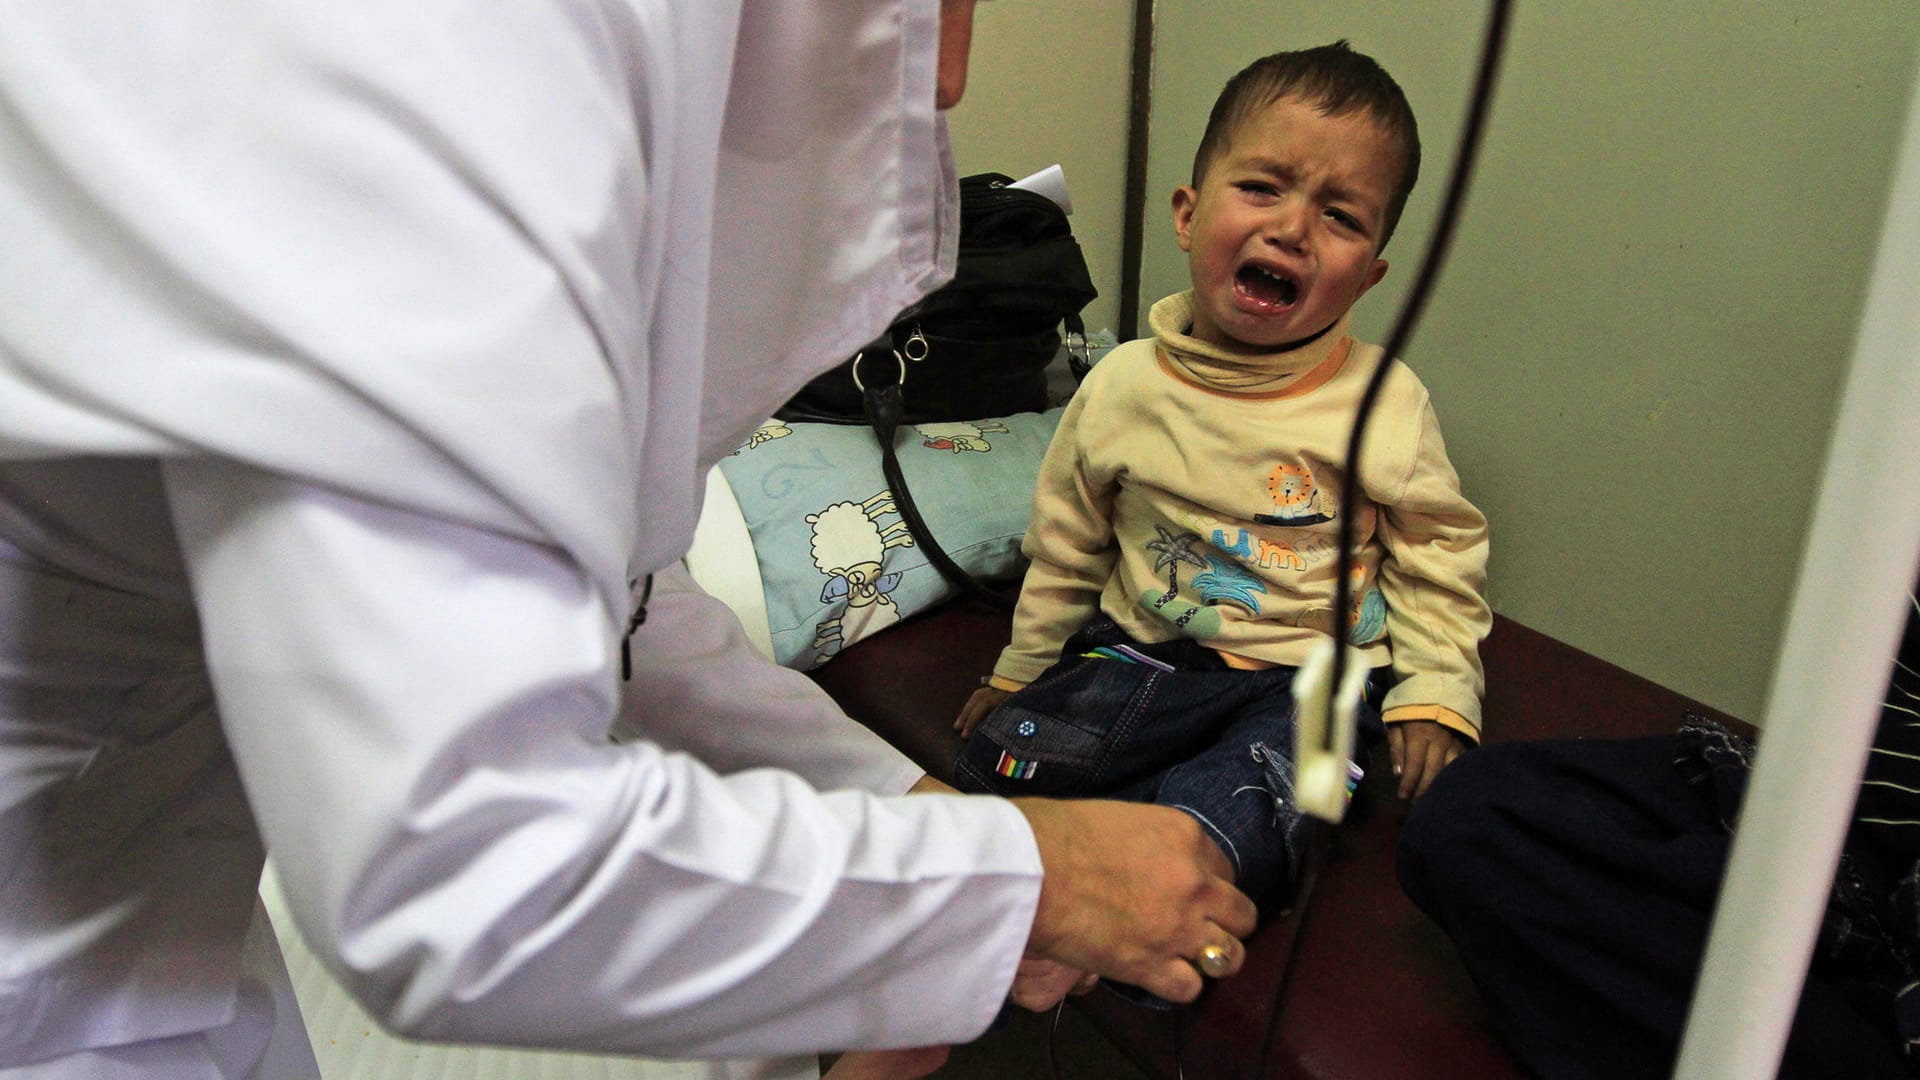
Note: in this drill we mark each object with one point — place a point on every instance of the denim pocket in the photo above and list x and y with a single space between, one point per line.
1060 735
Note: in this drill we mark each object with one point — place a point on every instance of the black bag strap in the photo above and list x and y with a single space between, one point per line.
883 406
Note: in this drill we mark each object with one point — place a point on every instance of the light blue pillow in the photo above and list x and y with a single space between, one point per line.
836 561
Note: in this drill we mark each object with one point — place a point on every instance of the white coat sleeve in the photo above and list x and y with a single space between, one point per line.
419 711
699 686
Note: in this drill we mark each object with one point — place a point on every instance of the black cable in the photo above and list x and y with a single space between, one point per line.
1457 183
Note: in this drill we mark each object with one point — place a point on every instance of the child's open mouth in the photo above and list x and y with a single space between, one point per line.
1265 287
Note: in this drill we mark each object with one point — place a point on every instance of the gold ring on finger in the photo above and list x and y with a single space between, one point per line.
1215 962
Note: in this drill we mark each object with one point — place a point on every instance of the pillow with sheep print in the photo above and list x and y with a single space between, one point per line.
836 561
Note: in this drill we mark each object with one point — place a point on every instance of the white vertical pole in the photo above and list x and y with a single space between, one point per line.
1825 699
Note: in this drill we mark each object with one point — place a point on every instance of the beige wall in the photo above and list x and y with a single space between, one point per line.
1636 347
1049 84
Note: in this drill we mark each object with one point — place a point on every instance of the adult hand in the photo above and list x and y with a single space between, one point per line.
984 700
1039 983
888 1064
1133 892
1421 748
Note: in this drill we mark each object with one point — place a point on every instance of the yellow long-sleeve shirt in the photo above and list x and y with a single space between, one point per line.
1193 492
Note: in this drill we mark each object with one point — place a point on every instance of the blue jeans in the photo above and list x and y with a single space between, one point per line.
1170 724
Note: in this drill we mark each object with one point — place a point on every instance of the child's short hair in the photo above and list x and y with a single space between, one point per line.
1334 79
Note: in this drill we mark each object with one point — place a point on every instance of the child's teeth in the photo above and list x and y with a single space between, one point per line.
1284 289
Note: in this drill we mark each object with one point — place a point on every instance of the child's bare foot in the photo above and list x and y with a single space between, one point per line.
910 1064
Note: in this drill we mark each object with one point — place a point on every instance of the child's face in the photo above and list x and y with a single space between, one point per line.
1281 235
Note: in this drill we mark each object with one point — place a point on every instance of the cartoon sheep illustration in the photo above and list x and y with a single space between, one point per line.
960 436
765 433
849 546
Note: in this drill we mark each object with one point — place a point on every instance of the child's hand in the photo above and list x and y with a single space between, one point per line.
1421 748
984 700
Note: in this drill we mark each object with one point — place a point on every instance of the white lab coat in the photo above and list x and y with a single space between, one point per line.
354 358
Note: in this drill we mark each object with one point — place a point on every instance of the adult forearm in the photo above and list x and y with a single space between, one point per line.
420 718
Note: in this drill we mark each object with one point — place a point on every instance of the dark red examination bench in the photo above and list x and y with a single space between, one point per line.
1355 985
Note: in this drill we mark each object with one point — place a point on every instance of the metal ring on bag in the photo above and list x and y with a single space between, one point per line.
862 387
1078 348
917 346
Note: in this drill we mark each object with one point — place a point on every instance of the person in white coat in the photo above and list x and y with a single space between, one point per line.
359 367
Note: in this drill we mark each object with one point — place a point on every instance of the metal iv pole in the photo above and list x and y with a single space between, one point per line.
1824 701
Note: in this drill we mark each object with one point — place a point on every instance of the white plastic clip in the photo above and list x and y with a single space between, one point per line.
1320 773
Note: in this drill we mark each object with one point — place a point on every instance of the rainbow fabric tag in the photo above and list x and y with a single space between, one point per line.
1125 652
1013 768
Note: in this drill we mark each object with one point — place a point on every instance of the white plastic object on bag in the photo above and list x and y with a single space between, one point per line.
1051 182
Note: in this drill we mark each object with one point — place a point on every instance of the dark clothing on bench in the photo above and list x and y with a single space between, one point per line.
1578 878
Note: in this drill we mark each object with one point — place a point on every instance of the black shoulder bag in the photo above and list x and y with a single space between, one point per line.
977 347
